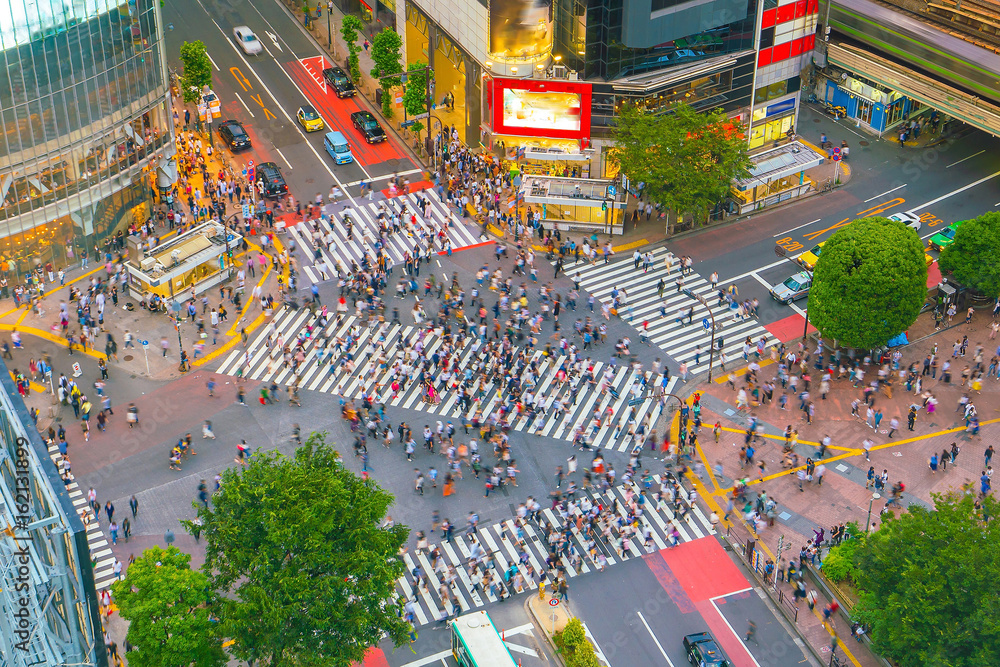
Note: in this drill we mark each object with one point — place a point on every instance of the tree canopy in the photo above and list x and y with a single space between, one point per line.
385 55
869 284
974 258
196 71
168 606
415 95
350 27
301 566
685 159
928 581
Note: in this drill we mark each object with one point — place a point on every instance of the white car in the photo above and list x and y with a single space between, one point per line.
247 40
909 219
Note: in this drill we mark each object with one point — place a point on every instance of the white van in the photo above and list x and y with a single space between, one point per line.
336 145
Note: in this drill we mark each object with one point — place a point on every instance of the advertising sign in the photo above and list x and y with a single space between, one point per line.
520 28
541 108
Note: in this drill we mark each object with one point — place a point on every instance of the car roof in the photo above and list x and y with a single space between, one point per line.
335 136
307 108
364 113
335 70
268 166
243 28
799 277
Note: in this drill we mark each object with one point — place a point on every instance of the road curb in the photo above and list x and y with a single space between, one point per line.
540 623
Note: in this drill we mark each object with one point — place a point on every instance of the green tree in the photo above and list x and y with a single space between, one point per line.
974 258
300 564
415 93
167 605
686 160
576 649
869 284
385 55
196 71
350 27
928 581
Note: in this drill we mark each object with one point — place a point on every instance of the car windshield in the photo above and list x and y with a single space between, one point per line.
816 250
340 77
791 284
309 114
249 37
236 131
369 123
948 233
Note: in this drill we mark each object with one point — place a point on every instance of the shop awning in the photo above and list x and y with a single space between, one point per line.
792 158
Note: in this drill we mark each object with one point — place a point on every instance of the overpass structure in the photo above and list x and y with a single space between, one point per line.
887 63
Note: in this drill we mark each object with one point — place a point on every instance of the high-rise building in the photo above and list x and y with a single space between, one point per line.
87 131
550 75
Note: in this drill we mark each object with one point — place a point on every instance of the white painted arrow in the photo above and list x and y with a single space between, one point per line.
274 38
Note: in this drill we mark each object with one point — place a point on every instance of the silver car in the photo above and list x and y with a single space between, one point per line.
794 288
247 40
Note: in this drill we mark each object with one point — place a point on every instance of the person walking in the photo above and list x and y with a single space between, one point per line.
133 504
911 418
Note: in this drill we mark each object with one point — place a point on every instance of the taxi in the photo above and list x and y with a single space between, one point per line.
945 237
809 259
309 119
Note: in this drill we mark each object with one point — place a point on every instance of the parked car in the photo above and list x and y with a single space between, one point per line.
337 79
234 136
945 237
247 40
909 219
309 118
792 289
269 176
366 123
703 651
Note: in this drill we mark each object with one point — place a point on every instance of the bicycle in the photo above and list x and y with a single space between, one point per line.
827 185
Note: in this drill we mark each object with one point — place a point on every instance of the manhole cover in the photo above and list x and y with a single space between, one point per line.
127 357
816 120
863 142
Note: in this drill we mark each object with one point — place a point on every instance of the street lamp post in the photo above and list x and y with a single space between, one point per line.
868 523
711 352
783 254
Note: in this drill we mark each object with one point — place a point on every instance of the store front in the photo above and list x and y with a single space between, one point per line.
772 123
594 206
873 106
777 175
546 157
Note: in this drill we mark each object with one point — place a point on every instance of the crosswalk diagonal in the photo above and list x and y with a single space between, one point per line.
684 341
335 245
511 546
613 408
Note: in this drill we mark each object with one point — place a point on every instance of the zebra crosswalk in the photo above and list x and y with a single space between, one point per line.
680 340
339 246
522 543
100 551
629 401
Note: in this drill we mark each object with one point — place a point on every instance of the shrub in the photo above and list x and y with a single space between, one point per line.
576 648
840 562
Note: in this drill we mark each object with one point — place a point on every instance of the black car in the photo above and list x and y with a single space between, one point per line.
338 80
234 135
269 175
368 126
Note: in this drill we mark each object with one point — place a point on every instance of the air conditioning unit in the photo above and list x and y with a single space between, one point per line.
573 75
147 263
558 71
175 256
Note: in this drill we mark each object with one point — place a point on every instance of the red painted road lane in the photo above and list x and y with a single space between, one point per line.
375 658
933 275
308 75
692 574
414 187
788 328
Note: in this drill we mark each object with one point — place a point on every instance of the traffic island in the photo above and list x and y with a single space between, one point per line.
564 633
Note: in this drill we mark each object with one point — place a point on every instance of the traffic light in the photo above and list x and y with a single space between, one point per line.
604 206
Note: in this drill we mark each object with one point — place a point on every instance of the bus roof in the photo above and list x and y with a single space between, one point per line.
483 640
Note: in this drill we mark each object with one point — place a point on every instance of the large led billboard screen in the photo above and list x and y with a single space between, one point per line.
532 108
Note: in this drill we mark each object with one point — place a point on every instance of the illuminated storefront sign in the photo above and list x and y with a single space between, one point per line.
530 108
520 28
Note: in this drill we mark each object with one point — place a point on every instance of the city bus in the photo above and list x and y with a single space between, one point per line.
475 642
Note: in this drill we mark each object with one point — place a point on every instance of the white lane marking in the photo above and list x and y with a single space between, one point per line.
965 158
212 61
283 156
429 659
753 271
655 640
794 228
597 649
959 190
519 630
730 625
517 648
408 172
885 193
245 106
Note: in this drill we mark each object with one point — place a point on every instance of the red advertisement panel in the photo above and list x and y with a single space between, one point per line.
541 108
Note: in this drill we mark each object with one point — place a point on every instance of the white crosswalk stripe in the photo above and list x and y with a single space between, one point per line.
679 340
510 543
100 550
320 262
632 400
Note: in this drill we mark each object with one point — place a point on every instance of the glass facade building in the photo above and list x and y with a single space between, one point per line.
85 111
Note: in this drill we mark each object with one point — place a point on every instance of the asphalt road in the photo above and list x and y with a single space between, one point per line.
956 180
639 613
264 92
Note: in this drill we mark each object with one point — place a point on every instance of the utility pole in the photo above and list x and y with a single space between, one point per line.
329 30
428 82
